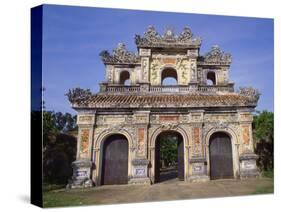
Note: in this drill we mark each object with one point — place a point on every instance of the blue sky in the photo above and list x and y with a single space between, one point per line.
73 37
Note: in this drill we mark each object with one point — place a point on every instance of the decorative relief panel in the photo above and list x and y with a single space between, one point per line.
113 120
196 143
193 71
220 117
85 118
140 118
109 73
182 67
180 64
246 134
246 117
155 78
196 117
141 142
196 150
196 132
192 52
220 78
84 142
168 118
167 61
145 68
145 52
185 118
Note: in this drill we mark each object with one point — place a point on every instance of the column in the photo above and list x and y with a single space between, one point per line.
82 166
140 162
192 54
247 158
198 162
145 61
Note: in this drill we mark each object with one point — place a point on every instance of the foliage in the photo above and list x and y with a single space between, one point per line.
168 149
78 94
69 198
59 146
269 189
263 128
269 174
50 187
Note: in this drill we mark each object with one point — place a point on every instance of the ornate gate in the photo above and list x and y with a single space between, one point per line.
115 161
221 164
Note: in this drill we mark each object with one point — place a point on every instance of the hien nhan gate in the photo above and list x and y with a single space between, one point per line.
119 127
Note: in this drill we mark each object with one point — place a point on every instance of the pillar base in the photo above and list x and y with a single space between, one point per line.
248 167
81 174
198 164
139 176
140 181
198 178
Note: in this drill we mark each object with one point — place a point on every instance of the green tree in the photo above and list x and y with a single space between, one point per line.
263 128
59 146
168 149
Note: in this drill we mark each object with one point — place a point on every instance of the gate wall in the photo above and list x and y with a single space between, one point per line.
141 130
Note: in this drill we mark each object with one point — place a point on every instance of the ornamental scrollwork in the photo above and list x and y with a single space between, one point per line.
120 55
77 95
153 39
169 126
251 93
216 55
185 35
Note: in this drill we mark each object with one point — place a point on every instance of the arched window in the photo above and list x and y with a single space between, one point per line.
169 77
125 78
211 78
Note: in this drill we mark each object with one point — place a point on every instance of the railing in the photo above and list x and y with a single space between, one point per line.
123 88
170 89
166 89
208 88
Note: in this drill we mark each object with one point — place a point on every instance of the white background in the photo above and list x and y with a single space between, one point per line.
15 101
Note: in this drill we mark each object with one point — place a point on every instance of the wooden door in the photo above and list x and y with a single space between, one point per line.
221 163
157 162
115 161
180 158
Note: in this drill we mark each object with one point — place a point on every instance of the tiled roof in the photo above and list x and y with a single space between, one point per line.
165 100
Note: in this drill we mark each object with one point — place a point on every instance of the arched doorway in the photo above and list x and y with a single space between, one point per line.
211 78
221 160
125 78
169 77
169 156
115 160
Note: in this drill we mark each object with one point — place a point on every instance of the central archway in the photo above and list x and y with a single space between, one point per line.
169 76
169 156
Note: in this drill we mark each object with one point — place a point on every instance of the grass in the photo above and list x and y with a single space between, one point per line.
269 174
50 187
264 190
63 198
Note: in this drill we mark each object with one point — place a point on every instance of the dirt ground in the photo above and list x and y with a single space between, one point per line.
167 190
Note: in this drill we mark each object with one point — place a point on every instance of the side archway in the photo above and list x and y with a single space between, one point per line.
125 78
99 151
211 78
221 159
233 144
